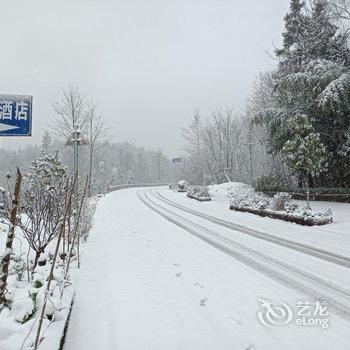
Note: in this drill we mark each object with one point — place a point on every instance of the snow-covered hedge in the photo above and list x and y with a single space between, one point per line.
280 207
319 196
200 193
182 186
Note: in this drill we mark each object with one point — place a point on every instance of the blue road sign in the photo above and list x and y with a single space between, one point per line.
15 115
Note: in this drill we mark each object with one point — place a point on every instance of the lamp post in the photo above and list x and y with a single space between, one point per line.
75 140
102 173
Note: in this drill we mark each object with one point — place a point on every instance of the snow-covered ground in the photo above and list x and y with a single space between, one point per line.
334 236
27 299
177 280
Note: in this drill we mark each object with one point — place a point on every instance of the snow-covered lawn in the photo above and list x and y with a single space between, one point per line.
146 283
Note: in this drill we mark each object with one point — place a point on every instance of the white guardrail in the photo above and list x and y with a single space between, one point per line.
122 187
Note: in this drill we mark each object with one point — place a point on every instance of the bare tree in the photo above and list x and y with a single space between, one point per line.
97 135
193 135
192 132
43 203
340 9
70 110
226 146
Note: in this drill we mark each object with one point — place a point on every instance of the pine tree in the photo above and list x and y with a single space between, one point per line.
313 79
292 53
304 153
324 40
46 142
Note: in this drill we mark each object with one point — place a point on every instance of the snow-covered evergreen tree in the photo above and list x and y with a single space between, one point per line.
313 79
46 141
323 39
304 153
292 53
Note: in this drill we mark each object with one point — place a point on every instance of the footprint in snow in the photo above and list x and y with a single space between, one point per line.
232 320
179 274
203 302
176 264
197 284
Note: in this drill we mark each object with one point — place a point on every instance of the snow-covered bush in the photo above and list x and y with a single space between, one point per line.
19 267
280 200
5 204
251 200
182 186
24 305
279 207
270 183
43 203
198 191
87 218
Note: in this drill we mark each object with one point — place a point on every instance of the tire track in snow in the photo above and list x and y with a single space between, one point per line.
300 247
279 271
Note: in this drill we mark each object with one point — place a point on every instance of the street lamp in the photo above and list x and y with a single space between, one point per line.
102 173
75 140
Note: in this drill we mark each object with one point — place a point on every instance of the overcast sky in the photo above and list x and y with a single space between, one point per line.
150 63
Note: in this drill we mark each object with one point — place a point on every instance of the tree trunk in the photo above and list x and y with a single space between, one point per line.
36 259
90 170
307 185
5 261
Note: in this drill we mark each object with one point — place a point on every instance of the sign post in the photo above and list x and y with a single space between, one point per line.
177 162
16 115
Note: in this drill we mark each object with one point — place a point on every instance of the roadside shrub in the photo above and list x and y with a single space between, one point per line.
182 186
24 306
87 218
280 200
19 267
279 207
198 191
251 200
43 203
273 182
325 190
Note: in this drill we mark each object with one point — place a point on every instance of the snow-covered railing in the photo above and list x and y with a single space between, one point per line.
135 185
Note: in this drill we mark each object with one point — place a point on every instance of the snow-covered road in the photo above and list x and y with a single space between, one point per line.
181 280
